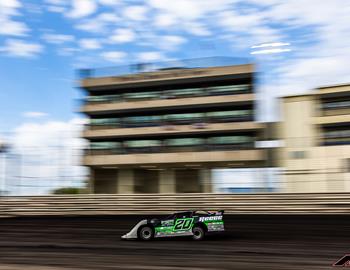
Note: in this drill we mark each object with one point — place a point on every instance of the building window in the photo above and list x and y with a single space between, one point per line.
104 121
336 105
228 89
337 137
142 96
104 145
103 148
337 134
347 165
140 121
297 154
184 117
143 143
173 93
103 98
176 118
231 139
230 115
184 142
182 93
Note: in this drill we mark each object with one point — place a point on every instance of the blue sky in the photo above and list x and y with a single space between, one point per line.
43 42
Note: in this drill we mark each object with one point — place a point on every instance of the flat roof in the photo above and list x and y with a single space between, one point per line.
146 67
334 85
169 76
298 95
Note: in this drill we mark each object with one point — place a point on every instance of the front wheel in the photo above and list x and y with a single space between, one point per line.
146 233
198 233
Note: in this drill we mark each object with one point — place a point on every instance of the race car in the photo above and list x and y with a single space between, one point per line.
189 223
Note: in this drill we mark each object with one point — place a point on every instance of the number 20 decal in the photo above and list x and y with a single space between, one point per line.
183 224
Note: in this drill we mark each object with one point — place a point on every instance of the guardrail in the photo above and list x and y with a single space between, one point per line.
205 62
311 203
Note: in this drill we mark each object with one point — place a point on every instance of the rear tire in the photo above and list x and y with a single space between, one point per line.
198 233
146 233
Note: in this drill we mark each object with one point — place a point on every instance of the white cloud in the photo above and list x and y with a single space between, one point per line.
56 6
99 23
50 155
122 35
56 9
164 20
34 114
171 42
192 16
39 135
136 13
20 48
234 21
252 27
270 51
57 38
67 51
9 26
56 2
324 61
150 56
93 26
197 29
12 28
9 7
109 2
108 17
319 57
89 44
189 10
304 74
82 8
114 56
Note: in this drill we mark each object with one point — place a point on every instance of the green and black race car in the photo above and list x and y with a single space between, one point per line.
190 223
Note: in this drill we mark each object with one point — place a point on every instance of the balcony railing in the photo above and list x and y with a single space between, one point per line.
198 122
169 94
336 137
170 149
333 142
156 66
344 104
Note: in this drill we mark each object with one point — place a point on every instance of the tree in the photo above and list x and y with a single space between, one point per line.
69 190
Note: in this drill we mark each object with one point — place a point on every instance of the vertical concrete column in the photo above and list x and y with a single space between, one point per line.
205 180
167 181
126 181
105 181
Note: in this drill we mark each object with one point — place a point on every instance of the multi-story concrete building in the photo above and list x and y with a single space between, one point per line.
165 130
316 134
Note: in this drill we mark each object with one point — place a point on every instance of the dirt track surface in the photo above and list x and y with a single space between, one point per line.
251 242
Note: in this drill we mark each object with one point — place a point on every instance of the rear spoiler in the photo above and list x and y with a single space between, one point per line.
220 212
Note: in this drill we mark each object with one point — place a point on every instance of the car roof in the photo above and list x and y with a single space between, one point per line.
181 212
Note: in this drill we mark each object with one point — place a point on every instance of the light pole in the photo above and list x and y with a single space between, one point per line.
3 150
273 51
269 48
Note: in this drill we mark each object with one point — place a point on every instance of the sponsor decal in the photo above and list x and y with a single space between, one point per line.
213 218
167 222
183 224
